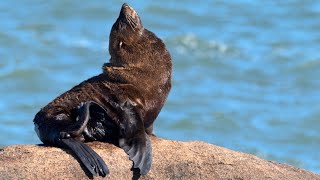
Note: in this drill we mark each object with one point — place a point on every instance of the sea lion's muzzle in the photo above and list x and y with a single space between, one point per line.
130 16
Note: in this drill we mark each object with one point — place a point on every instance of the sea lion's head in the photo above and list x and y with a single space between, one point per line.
130 44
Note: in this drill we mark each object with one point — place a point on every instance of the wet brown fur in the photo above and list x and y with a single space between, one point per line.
139 71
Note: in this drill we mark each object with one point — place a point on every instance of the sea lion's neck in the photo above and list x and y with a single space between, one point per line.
106 67
112 68
128 69
119 73
134 74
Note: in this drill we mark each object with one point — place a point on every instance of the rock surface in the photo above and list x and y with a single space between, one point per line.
171 160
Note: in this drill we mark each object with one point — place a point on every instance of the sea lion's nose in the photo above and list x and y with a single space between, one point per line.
125 5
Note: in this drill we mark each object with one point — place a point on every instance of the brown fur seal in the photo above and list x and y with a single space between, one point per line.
118 105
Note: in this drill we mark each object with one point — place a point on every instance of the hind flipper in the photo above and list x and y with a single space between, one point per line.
62 132
90 159
60 126
75 129
87 156
100 125
134 140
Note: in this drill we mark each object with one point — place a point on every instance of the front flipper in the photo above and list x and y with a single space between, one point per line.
139 151
133 138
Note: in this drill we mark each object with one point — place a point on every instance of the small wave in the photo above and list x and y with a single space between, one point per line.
81 43
191 42
75 42
7 67
308 65
69 41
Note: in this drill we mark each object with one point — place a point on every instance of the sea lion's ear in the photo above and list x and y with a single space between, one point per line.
120 44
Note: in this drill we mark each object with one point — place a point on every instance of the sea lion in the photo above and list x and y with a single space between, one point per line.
119 105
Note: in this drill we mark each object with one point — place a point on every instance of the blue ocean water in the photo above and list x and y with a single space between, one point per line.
246 73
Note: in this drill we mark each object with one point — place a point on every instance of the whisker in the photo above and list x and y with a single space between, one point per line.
131 22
